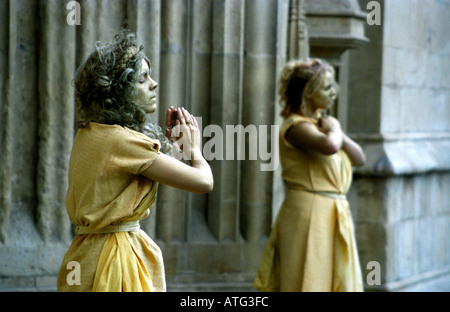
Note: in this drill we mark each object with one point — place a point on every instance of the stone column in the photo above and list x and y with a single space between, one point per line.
100 21
171 213
8 22
198 95
258 109
56 120
226 97
298 47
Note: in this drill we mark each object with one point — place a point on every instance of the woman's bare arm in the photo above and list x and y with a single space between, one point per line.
325 139
197 178
354 151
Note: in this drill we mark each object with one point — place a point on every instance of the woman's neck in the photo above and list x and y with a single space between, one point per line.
307 110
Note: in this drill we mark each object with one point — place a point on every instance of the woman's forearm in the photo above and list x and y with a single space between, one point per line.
353 150
204 170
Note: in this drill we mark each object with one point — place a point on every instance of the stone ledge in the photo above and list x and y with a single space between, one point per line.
402 154
185 281
334 7
337 24
211 287
435 281
28 283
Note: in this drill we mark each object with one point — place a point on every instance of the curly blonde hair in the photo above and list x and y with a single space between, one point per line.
299 79
105 87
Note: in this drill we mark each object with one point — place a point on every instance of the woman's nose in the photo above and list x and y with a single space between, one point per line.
153 85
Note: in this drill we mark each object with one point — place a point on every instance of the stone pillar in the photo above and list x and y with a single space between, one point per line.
56 121
258 107
171 213
298 47
199 60
100 20
6 114
226 97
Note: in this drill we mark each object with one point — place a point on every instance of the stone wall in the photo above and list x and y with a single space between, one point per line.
399 110
220 59
38 59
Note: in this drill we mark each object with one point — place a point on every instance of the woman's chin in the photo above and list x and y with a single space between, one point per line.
151 108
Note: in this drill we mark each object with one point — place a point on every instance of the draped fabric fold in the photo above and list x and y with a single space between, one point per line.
347 275
347 272
120 268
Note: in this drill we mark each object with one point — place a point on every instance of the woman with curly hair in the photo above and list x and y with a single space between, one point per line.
118 158
312 245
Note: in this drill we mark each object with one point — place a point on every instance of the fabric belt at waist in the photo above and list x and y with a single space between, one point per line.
123 227
332 195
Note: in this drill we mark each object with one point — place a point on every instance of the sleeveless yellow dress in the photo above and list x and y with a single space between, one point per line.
106 198
312 245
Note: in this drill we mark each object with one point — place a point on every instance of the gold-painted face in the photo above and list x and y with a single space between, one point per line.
325 93
146 97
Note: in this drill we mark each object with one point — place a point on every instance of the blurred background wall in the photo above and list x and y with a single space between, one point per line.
220 59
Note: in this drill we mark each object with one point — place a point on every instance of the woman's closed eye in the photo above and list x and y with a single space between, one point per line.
143 77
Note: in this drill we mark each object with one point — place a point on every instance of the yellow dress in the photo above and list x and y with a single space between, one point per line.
312 245
105 199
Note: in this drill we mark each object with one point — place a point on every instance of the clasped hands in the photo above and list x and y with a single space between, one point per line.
183 132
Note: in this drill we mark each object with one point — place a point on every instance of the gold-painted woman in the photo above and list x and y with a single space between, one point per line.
312 245
118 158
